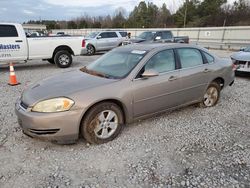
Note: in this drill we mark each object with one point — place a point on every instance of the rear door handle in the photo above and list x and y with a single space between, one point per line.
206 70
19 41
172 78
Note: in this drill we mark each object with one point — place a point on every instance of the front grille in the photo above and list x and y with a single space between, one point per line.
23 105
43 131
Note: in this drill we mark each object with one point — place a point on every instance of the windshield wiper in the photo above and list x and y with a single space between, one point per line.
96 73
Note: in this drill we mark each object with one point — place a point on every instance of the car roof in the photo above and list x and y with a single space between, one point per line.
152 46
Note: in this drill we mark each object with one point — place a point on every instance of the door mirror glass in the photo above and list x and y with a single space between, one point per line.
149 73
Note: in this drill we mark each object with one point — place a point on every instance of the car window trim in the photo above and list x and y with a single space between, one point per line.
203 53
136 75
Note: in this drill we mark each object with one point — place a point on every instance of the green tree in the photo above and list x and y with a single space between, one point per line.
164 17
191 8
72 25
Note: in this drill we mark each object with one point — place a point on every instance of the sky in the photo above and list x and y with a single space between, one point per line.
25 10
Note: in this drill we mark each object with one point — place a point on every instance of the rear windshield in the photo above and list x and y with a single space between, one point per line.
92 35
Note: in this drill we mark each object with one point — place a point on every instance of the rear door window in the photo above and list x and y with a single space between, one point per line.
8 31
112 35
166 35
123 33
190 57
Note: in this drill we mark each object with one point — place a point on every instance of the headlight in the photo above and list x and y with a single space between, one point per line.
53 105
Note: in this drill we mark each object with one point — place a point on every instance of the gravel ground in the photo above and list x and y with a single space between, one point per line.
189 147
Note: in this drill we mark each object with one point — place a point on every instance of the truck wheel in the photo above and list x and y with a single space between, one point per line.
63 59
51 61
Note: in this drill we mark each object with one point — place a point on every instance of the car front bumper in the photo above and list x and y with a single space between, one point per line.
60 127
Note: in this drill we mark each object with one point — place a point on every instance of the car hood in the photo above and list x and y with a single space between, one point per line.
241 56
62 85
136 40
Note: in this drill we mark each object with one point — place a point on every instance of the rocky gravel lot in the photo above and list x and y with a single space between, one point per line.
189 147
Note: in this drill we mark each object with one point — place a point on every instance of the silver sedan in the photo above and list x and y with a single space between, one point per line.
126 84
241 61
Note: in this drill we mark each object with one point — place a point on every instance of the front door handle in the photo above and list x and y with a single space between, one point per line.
172 78
206 70
19 41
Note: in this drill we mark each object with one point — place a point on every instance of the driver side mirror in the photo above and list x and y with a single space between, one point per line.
158 38
149 73
99 37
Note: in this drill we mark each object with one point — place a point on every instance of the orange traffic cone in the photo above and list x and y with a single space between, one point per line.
13 80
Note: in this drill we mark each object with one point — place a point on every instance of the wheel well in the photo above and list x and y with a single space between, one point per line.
220 81
92 45
117 102
60 48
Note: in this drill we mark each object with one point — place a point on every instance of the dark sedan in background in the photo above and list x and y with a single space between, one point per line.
126 84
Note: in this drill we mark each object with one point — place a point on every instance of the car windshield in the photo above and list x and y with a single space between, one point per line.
147 35
92 35
247 49
116 64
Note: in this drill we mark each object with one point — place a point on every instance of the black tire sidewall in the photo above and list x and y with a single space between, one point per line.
58 54
87 130
215 85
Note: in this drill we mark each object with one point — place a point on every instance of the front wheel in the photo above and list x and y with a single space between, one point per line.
102 123
211 95
63 59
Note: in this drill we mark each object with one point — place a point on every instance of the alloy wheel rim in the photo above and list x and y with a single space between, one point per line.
63 59
106 124
90 49
211 96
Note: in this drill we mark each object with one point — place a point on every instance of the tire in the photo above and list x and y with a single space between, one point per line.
51 61
63 59
90 49
97 129
211 96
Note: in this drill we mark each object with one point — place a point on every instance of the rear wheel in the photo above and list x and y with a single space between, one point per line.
90 50
102 123
211 95
63 59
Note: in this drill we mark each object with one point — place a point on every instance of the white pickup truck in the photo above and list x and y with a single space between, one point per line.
16 47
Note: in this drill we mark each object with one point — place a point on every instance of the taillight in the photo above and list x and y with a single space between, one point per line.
234 67
83 43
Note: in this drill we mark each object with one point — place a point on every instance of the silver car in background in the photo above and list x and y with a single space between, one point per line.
241 61
126 84
103 41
